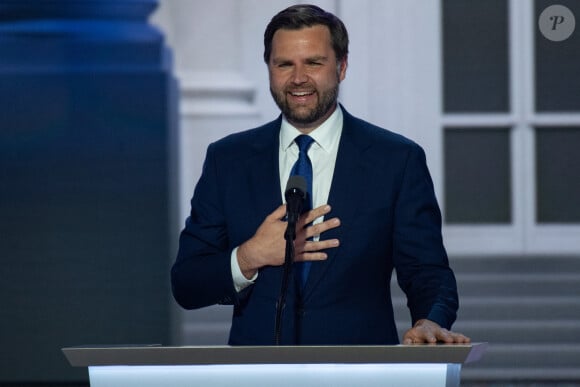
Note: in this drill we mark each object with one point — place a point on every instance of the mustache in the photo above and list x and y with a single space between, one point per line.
302 88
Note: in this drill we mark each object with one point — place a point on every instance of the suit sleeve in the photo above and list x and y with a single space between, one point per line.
420 259
201 275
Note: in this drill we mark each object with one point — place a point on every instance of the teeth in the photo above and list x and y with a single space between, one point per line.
301 93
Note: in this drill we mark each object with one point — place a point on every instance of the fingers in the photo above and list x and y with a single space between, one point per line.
314 230
313 251
307 249
456 338
317 229
428 332
315 214
278 214
415 336
449 337
266 246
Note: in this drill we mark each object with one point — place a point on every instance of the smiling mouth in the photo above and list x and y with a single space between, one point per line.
301 93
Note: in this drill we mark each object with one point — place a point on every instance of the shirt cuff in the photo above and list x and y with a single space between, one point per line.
240 281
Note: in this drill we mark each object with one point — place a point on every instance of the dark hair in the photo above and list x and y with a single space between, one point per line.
305 15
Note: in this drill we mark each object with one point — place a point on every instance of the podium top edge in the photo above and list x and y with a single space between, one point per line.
87 356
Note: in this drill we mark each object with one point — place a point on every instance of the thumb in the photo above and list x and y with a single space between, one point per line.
279 213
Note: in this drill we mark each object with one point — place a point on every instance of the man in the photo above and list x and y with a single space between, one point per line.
381 213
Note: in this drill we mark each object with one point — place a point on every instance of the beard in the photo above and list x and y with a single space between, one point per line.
303 115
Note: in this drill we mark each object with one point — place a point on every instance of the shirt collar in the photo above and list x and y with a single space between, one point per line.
326 135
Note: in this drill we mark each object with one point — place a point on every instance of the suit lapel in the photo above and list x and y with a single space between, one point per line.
263 170
348 179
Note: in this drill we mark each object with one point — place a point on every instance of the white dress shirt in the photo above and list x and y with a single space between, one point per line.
322 154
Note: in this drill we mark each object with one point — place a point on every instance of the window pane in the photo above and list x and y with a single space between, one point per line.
475 56
557 64
558 175
477 175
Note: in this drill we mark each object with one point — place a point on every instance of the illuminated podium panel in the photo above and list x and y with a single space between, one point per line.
303 366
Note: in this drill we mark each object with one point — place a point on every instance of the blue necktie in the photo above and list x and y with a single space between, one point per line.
303 167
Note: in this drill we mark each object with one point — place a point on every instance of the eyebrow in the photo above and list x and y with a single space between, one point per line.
317 58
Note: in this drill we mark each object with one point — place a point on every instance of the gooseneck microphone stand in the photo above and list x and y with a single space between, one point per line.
295 195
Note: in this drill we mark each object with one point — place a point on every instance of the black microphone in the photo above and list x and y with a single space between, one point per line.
295 195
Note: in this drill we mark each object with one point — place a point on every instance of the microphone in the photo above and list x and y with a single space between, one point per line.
295 195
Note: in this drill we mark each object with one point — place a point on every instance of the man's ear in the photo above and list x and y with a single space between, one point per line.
342 65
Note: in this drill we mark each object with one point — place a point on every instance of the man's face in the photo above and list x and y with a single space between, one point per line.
304 75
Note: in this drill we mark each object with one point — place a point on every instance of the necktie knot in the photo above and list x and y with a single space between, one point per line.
303 165
303 141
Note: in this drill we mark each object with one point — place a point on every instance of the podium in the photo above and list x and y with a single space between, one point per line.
281 366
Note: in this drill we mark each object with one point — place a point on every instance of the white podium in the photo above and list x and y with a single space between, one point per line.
303 366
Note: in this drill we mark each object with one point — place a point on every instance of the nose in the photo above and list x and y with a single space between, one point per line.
299 75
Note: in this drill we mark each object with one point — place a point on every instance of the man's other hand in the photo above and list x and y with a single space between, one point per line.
429 332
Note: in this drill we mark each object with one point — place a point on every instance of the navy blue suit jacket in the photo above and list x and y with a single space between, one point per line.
383 194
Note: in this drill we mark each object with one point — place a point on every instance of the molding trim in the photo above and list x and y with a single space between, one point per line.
216 93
